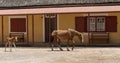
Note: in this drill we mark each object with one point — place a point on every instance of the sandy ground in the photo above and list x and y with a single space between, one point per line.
45 55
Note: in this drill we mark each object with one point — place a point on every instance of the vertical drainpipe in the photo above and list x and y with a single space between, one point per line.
27 31
2 31
33 29
49 23
88 28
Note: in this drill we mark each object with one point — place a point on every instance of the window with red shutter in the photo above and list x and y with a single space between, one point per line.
96 24
18 25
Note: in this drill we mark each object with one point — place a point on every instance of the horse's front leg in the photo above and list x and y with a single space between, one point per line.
59 44
53 43
52 46
73 43
68 45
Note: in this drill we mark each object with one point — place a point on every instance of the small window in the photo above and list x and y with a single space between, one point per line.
100 22
96 23
91 25
17 24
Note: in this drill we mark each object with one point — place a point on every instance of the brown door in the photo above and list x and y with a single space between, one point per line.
50 25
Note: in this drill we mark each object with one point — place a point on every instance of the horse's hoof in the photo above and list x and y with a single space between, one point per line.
68 50
72 49
61 49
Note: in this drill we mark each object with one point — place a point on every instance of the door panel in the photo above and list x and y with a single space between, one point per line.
50 25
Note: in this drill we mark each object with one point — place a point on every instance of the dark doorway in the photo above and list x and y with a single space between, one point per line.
50 25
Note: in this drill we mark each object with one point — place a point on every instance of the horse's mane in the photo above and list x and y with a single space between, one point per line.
72 30
69 29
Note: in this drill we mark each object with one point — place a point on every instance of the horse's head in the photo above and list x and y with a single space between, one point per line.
76 33
16 38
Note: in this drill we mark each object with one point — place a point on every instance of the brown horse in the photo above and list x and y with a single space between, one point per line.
68 35
10 41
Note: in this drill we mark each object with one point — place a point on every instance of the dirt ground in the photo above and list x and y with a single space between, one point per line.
45 55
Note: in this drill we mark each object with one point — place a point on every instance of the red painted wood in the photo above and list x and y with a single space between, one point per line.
81 24
33 29
18 24
2 31
111 23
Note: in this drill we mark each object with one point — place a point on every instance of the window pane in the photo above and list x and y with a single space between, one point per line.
100 24
91 24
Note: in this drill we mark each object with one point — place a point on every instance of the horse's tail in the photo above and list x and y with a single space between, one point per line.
54 33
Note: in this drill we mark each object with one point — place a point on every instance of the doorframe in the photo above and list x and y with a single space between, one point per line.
44 25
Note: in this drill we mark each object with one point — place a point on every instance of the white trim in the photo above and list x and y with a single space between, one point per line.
43 28
17 17
99 14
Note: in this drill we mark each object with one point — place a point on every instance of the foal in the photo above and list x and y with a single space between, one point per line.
11 41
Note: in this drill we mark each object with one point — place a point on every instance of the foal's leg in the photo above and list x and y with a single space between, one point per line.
14 45
6 45
10 47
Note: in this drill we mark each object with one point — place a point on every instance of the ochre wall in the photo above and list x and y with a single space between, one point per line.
68 21
38 27
0 28
65 21
5 27
115 36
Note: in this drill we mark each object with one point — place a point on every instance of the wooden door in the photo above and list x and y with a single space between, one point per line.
50 25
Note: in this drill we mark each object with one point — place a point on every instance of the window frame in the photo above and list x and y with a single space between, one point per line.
10 17
95 24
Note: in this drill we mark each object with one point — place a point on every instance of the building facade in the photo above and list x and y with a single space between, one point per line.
34 20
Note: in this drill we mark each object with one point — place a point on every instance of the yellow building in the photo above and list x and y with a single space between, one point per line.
34 21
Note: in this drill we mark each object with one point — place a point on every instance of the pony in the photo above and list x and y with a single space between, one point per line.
11 41
59 35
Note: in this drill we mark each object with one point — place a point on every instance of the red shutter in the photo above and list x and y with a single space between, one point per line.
18 25
111 24
22 25
14 25
81 24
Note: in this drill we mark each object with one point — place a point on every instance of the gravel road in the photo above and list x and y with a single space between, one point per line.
45 55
